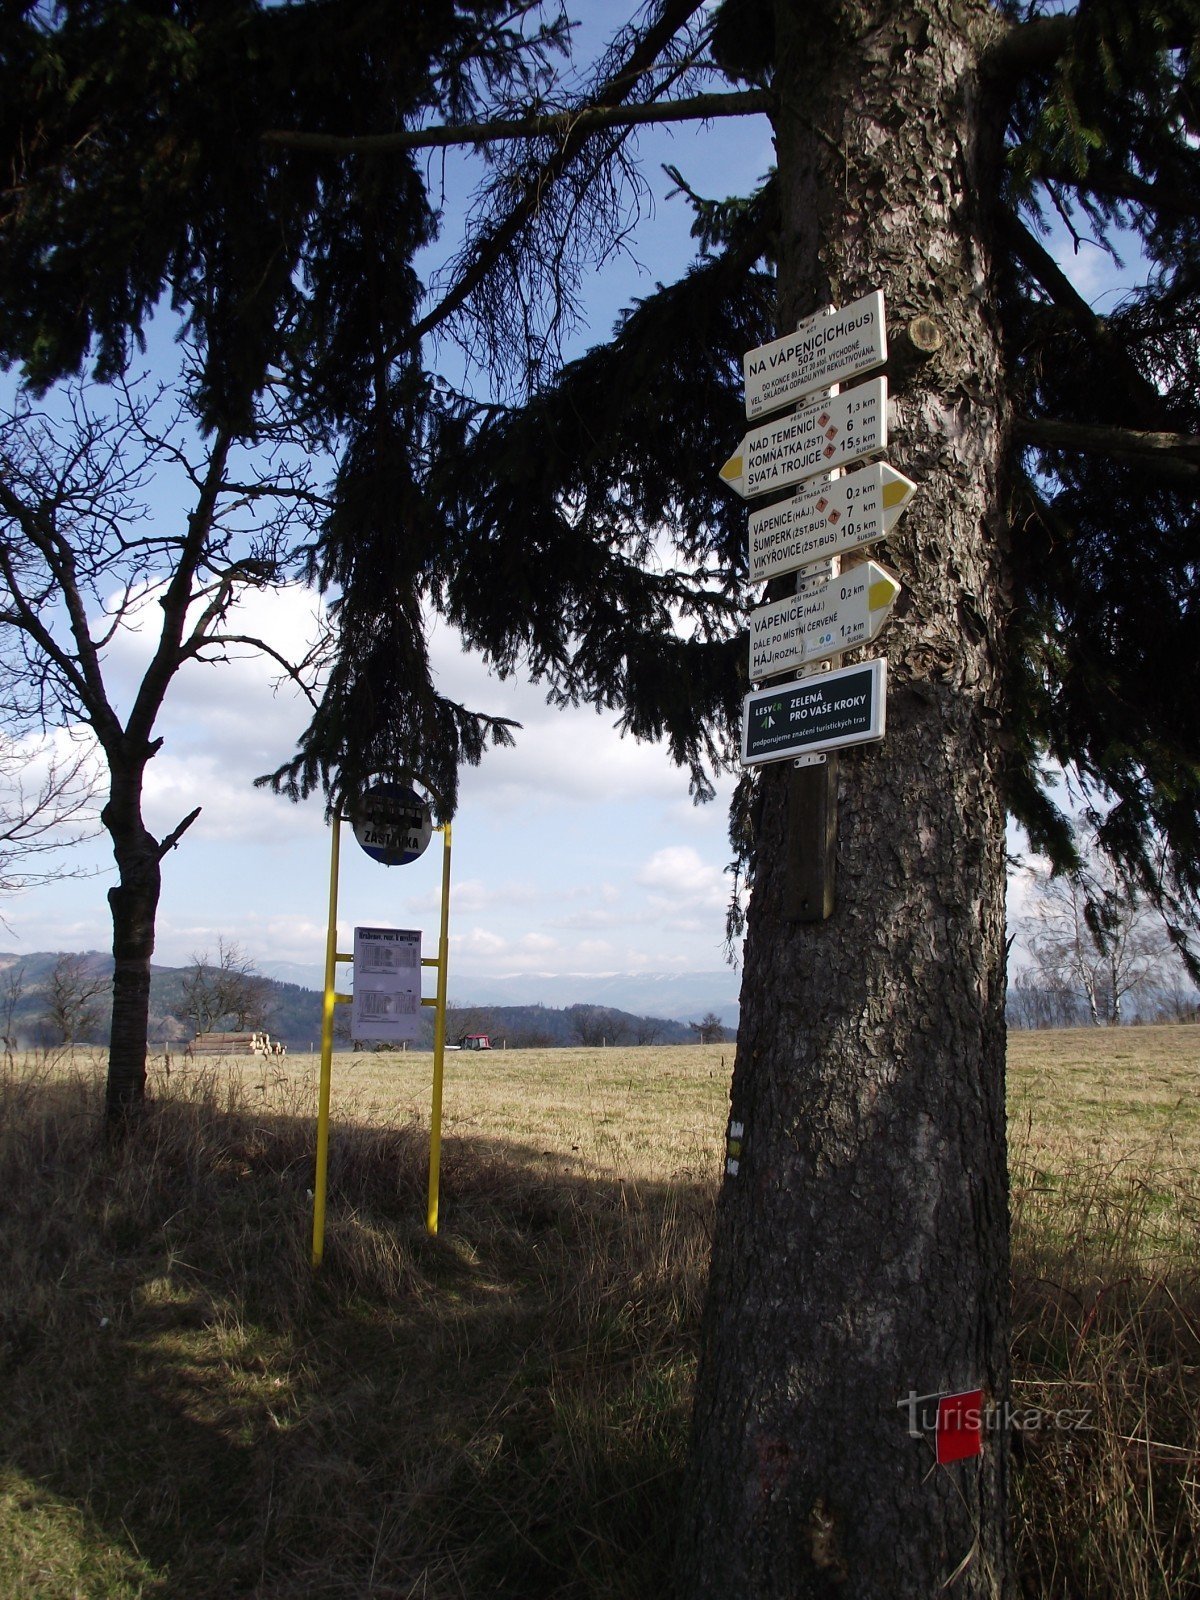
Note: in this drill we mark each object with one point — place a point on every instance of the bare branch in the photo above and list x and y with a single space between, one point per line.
42 815
563 125
292 670
178 594
173 838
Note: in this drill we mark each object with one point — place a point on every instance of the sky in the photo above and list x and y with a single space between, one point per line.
576 855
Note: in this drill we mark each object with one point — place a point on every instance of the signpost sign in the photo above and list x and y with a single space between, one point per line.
387 985
846 611
828 433
815 714
828 517
392 824
825 349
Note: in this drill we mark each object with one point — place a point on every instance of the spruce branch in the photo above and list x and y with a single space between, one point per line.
1028 48
1175 453
490 249
1122 185
1097 330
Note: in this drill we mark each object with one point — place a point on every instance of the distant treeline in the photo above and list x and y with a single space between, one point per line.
532 1027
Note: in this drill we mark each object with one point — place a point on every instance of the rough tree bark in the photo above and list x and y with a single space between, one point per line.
861 1250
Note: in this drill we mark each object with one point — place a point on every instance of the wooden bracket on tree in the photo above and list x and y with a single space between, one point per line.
810 879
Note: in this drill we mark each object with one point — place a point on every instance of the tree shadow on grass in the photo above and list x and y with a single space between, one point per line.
498 1411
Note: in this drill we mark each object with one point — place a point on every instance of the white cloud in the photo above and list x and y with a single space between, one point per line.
596 917
559 755
480 944
476 894
678 876
263 936
594 950
231 807
223 724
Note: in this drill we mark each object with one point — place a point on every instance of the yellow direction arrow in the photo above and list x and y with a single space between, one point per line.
834 616
828 517
828 433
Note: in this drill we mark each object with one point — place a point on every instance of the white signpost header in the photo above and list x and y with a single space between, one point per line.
829 348
828 517
838 615
827 434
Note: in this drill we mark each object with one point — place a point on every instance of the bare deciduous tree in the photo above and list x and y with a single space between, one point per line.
46 805
228 991
1174 998
87 554
646 1030
594 1026
1037 999
73 1006
1090 935
12 992
461 1020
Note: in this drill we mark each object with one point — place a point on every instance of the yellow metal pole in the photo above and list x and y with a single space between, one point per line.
439 1041
330 1000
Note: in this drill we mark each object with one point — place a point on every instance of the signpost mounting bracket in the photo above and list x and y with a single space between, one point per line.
810 875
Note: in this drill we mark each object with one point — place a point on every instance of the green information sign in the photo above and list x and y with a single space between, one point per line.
818 713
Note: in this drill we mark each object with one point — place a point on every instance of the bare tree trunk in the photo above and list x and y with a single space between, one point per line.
861 1247
134 904
1089 989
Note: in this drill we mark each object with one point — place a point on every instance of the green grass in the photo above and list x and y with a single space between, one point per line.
502 1411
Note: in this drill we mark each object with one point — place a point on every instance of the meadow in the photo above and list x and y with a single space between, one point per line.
502 1410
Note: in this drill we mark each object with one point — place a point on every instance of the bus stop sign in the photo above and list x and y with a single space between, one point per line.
392 824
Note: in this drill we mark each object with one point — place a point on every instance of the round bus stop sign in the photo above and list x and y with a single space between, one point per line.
393 824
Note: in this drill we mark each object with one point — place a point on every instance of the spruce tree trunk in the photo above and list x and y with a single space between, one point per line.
861 1250
134 905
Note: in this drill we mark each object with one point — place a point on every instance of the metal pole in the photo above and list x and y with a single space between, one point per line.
439 1041
319 1181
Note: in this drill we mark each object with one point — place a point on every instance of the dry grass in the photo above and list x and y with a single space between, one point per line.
648 1113
1105 1134
502 1411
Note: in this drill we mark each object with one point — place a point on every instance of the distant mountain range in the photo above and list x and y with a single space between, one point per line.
524 1008
681 996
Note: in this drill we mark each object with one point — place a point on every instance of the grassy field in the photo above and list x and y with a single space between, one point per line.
502 1411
